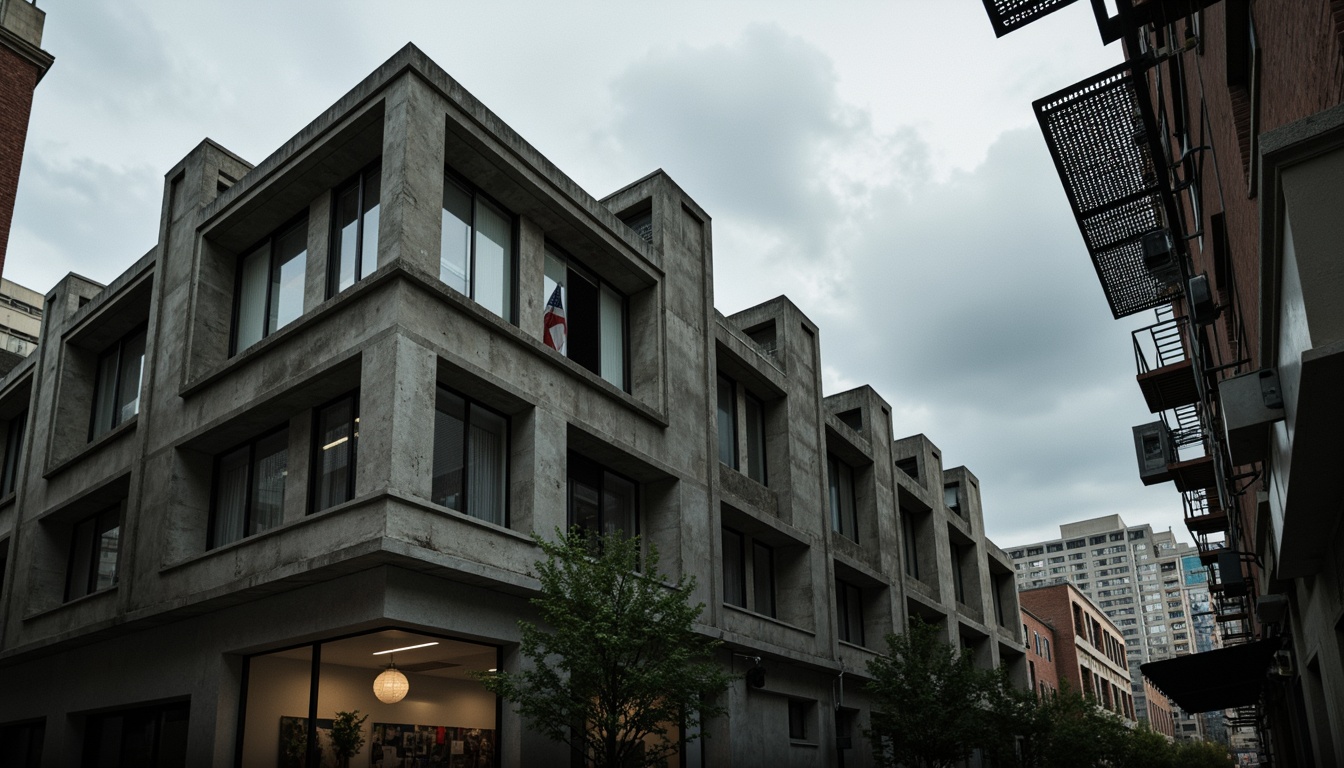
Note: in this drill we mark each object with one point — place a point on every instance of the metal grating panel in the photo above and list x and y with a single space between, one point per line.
1007 15
1107 150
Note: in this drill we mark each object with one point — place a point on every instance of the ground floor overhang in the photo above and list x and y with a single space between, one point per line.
1223 678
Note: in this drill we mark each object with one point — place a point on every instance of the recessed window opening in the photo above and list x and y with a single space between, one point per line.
600 500
727 421
592 329
269 286
116 393
94 546
9 471
249 494
335 449
477 253
354 235
471 457
844 511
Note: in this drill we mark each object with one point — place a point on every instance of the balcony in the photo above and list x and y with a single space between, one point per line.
1203 512
1107 150
1168 380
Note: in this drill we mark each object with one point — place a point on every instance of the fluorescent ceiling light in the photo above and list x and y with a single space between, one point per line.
334 443
407 648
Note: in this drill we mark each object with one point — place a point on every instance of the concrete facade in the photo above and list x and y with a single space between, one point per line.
129 588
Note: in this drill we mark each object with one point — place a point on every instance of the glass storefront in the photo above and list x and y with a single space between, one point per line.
444 719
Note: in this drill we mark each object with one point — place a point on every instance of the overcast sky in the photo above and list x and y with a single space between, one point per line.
878 162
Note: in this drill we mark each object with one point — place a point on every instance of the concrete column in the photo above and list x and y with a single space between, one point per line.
299 466
396 404
549 467
319 246
410 218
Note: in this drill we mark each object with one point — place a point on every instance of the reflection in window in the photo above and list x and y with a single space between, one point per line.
594 317
471 455
270 286
844 515
116 393
94 543
250 488
354 239
734 569
755 419
476 253
154 735
335 452
601 501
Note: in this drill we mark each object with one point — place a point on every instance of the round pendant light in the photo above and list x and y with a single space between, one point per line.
391 686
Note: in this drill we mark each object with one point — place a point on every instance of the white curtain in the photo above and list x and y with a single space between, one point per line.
485 466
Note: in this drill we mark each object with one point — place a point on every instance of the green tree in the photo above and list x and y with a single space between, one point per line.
615 661
1203 754
929 701
1062 730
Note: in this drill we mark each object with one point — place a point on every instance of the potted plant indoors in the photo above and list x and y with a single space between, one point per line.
347 735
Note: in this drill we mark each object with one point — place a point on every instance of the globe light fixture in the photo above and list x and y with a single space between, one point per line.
391 686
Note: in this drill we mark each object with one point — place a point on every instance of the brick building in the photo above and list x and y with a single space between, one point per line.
1217 208
1040 640
1088 649
22 65
319 422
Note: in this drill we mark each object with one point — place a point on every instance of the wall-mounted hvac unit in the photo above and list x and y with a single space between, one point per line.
1250 403
1159 258
1154 449
1230 575
1199 297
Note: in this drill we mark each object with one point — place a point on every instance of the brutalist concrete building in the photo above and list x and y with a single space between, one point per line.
310 434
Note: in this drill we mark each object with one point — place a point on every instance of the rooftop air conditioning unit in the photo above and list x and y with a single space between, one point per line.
1152 446
1250 403
1159 258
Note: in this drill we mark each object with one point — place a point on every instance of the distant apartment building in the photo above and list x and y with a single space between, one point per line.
20 318
1133 573
1088 650
322 418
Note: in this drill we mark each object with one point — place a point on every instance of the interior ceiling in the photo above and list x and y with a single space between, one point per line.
358 651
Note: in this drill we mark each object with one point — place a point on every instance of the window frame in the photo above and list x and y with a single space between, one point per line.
601 471
14 440
834 487
248 504
573 265
270 242
731 416
96 521
910 542
848 611
117 348
316 447
756 441
469 406
740 570
358 180
475 193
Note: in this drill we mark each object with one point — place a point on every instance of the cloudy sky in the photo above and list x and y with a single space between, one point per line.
876 161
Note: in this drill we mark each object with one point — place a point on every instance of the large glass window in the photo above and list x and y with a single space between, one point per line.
444 716
601 501
354 236
763 578
849 611
94 544
844 514
116 392
270 286
592 315
910 540
9 471
471 458
476 254
249 492
337 439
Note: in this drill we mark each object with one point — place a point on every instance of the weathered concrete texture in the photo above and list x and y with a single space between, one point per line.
187 612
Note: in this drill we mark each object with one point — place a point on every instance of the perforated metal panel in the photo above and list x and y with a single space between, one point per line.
1107 150
1007 15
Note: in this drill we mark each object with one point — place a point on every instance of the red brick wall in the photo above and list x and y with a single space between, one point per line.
18 78
1047 674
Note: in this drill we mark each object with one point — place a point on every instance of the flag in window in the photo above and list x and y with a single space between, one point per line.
554 326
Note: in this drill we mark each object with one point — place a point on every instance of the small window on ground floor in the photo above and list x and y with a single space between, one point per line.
150 736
